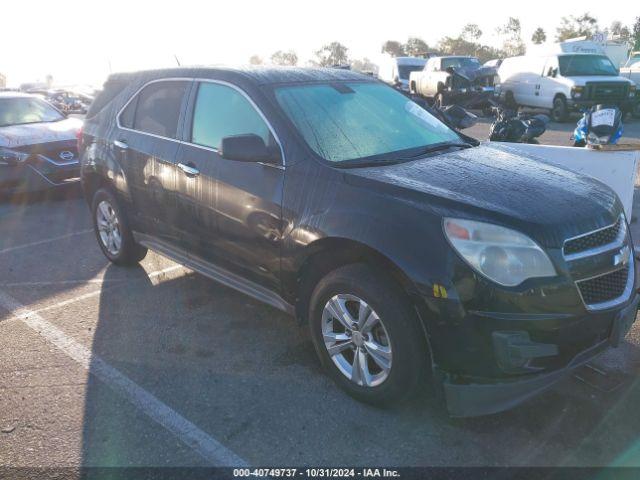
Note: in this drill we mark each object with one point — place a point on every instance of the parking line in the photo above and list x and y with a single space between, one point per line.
188 433
85 296
46 240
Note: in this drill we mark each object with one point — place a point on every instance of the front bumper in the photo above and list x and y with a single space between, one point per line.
37 173
468 396
469 97
578 105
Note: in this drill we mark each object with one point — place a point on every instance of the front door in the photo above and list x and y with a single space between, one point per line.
231 210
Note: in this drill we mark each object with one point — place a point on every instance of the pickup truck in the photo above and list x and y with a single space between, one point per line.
453 79
631 70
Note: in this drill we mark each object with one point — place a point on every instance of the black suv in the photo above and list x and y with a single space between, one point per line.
412 252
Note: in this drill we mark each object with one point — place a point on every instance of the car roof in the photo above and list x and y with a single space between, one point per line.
257 74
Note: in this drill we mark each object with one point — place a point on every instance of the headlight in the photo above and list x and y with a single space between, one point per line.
11 157
576 92
632 91
502 255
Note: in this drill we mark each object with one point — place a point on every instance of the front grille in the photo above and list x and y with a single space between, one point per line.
605 287
593 240
63 155
606 92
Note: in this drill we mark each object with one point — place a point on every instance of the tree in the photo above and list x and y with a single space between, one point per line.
512 31
471 32
539 36
331 54
255 60
635 38
393 48
570 27
415 47
363 65
288 58
620 31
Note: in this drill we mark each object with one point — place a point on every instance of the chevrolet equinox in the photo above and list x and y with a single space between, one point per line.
414 253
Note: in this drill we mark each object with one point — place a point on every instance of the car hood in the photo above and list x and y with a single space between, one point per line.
36 133
490 184
474 74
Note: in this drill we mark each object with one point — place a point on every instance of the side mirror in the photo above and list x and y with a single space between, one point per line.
247 148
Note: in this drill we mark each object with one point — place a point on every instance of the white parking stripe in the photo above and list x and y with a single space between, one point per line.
42 242
199 441
151 276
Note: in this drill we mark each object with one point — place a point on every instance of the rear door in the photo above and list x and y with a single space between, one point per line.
146 143
231 211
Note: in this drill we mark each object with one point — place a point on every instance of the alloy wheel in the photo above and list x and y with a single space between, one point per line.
356 340
109 227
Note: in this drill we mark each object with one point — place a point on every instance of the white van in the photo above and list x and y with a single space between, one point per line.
395 70
564 82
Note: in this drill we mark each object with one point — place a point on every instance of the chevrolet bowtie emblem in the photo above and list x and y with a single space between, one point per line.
622 257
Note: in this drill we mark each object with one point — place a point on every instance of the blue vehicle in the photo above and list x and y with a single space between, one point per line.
599 125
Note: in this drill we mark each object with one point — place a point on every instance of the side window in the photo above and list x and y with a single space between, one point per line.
127 115
222 111
551 66
158 108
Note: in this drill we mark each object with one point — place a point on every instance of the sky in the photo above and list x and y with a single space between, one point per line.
81 42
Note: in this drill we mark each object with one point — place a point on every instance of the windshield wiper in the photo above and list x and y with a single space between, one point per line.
396 160
436 148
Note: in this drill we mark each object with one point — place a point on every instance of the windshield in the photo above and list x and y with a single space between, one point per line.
405 70
349 121
460 62
579 65
21 110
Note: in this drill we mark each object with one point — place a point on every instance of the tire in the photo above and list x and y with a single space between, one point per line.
635 111
110 222
396 335
559 112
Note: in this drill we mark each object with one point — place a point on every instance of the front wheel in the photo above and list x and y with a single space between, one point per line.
367 335
438 101
112 230
560 111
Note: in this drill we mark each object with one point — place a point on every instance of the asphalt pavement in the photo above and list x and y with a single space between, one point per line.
158 366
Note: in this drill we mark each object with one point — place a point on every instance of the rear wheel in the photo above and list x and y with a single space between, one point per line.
112 230
367 335
438 100
560 111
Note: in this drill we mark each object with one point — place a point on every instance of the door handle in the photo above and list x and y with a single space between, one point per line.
120 144
189 170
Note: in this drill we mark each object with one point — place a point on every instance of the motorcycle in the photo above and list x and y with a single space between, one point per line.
516 127
454 116
599 125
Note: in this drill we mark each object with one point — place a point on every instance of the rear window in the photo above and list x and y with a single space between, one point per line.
158 108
